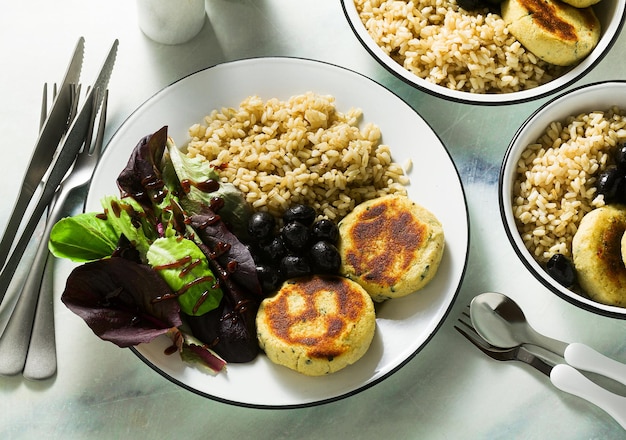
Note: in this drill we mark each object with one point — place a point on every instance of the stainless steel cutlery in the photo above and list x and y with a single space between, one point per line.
63 160
549 359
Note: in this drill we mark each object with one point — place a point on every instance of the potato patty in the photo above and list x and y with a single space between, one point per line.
597 253
316 325
391 246
554 31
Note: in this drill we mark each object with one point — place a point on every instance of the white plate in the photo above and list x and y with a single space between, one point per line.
405 325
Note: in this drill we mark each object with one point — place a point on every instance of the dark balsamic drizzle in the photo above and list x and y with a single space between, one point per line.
207 186
187 266
174 264
240 308
170 350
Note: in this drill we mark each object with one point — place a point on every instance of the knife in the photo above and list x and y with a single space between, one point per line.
568 379
563 376
67 154
50 135
39 353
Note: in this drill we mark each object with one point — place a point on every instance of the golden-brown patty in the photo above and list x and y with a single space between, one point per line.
581 3
553 31
316 325
597 254
623 248
391 246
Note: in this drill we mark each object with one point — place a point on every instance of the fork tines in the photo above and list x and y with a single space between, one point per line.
467 329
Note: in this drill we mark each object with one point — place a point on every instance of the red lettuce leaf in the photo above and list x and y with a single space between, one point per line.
230 329
195 352
142 177
117 298
231 254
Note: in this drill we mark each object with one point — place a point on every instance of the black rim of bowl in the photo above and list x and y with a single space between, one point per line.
462 100
543 277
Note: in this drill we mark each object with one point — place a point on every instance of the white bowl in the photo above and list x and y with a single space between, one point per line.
610 13
592 97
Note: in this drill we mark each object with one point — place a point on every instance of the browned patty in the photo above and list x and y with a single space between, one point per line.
549 16
597 253
391 246
316 325
552 30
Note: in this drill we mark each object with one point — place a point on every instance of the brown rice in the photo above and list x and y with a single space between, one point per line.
556 179
441 43
303 150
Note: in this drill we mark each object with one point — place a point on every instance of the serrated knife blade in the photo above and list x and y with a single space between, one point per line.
50 135
70 147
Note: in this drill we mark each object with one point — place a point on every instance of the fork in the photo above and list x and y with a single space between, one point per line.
34 313
41 357
564 377
518 353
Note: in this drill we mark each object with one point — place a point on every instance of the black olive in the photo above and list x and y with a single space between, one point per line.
274 251
295 236
261 226
300 213
325 257
562 270
325 230
269 277
256 252
293 266
612 185
620 156
472 5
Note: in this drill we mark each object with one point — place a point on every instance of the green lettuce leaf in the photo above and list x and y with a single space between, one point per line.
186 270
127 218
82 238
195 172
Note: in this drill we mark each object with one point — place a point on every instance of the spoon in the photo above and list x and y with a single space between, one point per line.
501 322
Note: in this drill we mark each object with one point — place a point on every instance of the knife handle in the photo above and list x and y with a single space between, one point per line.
15 339
567 378
585 358
41 360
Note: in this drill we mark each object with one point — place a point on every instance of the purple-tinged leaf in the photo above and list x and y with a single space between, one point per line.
119 301
141 178
232 255
196 352
231 328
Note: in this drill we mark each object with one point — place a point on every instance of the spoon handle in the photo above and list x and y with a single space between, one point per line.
586 358
568 379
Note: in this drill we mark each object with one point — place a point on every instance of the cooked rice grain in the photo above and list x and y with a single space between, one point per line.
556 179
442 43
279 153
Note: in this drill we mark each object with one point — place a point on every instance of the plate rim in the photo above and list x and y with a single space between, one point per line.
427 339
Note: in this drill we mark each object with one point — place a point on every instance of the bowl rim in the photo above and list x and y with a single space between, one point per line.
505 183
607 40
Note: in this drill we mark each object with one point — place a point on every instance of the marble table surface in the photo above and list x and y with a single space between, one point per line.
447 391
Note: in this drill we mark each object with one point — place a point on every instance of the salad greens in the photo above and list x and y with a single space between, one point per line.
110 294
84 238
236 210
185 269
162 259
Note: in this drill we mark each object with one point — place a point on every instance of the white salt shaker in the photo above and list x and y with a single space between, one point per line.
171 21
